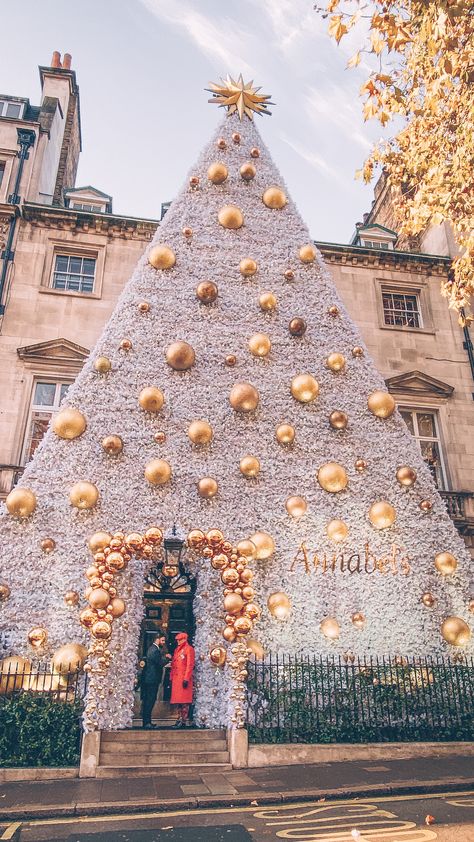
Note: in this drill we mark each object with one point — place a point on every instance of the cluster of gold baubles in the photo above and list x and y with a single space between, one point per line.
17 672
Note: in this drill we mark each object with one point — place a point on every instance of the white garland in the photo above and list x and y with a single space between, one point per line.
397 622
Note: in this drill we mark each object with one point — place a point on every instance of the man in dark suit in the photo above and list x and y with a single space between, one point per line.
150 678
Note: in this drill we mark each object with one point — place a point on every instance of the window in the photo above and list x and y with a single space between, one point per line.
423 425
73 273
47 396
10 109
83 207
2 171
373 244
401 309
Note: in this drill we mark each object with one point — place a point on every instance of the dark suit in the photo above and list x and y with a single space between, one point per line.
150 680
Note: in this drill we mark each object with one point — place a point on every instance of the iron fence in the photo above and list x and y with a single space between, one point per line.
41 681
324 700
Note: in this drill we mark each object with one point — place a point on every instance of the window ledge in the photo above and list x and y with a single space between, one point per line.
406 329
71 293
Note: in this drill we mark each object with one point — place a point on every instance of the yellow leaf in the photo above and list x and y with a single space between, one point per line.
370 109
332 5
337 28
437 218
384 118
355 60
377 42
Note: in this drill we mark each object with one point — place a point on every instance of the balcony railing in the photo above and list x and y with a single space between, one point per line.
9 476
455 502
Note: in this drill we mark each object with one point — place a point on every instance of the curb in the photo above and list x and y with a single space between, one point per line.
30 813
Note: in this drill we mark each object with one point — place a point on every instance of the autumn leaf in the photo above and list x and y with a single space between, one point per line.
377 42
354 60
337 28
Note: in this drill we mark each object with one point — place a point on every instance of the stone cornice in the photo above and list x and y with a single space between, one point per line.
125 227
424 264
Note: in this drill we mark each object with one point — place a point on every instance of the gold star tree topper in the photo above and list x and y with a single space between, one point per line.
239 96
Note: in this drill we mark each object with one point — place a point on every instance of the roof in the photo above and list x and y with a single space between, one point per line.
87 188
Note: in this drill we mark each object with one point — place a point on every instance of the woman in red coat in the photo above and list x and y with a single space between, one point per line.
181 675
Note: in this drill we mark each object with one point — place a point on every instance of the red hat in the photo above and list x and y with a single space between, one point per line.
182 636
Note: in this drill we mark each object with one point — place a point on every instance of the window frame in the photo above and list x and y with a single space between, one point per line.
405 286
51 409
56 247
414 411
4 103
405 293
68 273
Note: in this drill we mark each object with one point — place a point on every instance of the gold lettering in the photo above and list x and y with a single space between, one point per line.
351 561
369 557
301 549
405 565
356 569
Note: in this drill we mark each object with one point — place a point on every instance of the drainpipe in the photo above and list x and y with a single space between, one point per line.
467 344
26 139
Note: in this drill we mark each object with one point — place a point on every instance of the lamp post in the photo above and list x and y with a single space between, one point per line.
173 548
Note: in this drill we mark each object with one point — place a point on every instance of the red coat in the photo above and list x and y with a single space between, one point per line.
182 667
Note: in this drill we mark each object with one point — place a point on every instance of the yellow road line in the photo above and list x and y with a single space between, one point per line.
120 817
11 830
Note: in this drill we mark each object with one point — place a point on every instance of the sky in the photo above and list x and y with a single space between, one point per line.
142 67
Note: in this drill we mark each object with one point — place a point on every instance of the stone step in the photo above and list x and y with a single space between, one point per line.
166 759
142 771
189 736
184 747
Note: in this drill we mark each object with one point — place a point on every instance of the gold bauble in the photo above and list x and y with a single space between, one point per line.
233 603
221 143
126 345
71 598
360 465
357 351
194 182
68 658
4 591
230 216
69 423
426 506
337 530
264 543
99 598
217 173
406 475
117 607
307 253
445 563
304 388
471 606
230 576
274 198
382 514
456 631
255 152
296 506
48 545
151 399
297 327
289 275
112 445
428 599
244 397
248 171
248 592
333 310
229 634
247 549
98 541
180 356
259 345
230 360
87 617
243 625
249 466
336 362
381 404
84 495
158 471
21 502
248 267
279 605
285 433
200 432
220 561
37 637
338 420
332 477
330 628
236 137
116 561
144 307
206 292
256 649
214 538
162 257
13 671
196 539
154 536
159 437
267 301
102 365
101 630
207 487
218 656
358 620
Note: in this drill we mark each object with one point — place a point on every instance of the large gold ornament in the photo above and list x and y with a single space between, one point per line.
297 327
455 631
84 495
101 630
206 292
332 477
98 541
162 257
248 171
307 253
37 637
336 362
279 605
112 445
151 399
71 598
337 530
233 604
117 607
382 514
260 345
69 423
285 433
180 356
230 216
196 539
244 397
239 97
21 502
249 466
4 591
330 628
88 617
247 549
264 543
68 658
207 487
99 598
274 197
381 404
158 472
248 267
217 173
446 563
256 649
267 301
200 432
296 506
406 475
102 365
218 656
243 625
13 671
304 388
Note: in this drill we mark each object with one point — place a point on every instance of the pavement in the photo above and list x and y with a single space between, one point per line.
179 790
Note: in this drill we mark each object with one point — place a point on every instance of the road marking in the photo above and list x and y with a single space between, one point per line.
11 831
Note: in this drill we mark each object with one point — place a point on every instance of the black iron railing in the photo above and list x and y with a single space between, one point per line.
325 700
41 681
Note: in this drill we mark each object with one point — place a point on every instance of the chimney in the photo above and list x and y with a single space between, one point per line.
67 61
56 59
365 217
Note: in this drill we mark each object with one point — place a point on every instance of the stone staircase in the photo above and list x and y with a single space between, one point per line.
140 752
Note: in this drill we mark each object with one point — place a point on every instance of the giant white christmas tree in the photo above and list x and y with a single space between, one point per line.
230 391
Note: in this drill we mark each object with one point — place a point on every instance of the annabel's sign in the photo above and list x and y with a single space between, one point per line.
350 561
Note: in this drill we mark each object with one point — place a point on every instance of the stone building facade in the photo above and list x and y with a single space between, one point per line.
65 257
